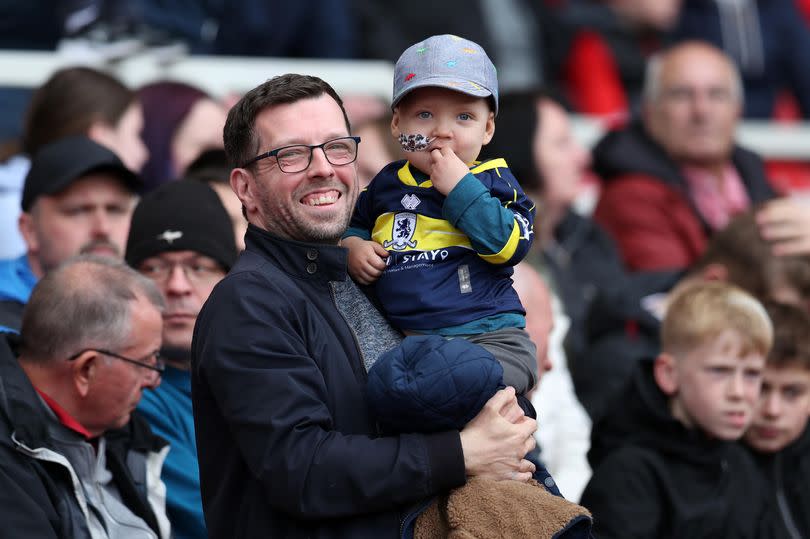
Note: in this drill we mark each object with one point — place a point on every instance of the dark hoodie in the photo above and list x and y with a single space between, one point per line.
645 203
788 474
653 477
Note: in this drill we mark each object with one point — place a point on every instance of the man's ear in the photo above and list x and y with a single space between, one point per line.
242 184
28 231
83 370
665 373
489 130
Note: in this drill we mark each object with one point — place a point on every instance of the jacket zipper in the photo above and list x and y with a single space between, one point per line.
781 500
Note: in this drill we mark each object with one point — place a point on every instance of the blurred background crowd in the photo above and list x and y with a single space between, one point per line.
558 61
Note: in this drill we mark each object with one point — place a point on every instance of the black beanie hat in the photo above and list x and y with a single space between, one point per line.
182 215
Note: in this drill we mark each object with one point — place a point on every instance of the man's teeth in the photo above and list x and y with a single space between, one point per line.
324 198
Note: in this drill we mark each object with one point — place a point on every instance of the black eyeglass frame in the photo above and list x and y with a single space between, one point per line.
312 147
158 367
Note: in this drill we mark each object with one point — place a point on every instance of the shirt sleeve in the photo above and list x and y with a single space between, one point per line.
362 219
495 213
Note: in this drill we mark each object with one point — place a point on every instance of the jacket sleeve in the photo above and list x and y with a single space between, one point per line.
362 221
653 225
623 497
494 213
267 378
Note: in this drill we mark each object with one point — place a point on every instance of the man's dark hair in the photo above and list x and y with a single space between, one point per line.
791 338
241 139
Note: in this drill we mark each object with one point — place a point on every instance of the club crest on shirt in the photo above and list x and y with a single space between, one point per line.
410 201
402 232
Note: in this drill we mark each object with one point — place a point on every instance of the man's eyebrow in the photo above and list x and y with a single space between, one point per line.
299 141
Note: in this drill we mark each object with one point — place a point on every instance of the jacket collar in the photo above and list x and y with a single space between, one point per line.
312 261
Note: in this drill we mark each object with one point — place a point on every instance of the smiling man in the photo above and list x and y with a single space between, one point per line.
287 446
77 199
181 238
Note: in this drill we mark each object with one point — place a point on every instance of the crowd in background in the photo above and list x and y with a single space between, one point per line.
680 201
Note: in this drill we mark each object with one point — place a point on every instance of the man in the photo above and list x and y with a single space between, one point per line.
673 179
281 350
75 462
78 198
181 238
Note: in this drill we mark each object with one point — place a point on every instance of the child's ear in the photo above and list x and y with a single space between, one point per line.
395 123
665 374
490 128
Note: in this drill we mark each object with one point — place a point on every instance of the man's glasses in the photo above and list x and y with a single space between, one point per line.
196 271
157 366
297 158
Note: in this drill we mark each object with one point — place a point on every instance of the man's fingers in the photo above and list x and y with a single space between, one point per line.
501 399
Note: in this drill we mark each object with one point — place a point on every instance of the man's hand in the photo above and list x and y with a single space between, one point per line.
786 224
446 169
366 259
493 446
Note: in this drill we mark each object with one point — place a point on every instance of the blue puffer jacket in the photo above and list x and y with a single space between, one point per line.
429 384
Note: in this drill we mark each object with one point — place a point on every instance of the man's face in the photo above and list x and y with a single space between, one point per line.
449 119
186 279
91 216
783 410
116 386
718 387
316 204
695 112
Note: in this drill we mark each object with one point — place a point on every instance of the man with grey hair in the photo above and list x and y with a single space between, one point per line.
676 175
75 461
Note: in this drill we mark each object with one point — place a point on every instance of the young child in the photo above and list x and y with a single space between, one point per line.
665 462
438 234
779 434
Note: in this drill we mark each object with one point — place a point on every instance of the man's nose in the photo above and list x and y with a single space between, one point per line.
320 165
177 281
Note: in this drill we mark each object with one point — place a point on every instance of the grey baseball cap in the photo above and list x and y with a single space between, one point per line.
446 61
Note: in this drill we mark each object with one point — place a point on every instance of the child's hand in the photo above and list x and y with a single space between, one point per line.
366 259
446 169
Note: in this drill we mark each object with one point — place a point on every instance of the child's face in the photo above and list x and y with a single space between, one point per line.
451 119
715 387
783 409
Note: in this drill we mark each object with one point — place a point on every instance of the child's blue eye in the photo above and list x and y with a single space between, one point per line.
464 116
424 115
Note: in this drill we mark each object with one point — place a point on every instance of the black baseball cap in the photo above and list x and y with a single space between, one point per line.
57 165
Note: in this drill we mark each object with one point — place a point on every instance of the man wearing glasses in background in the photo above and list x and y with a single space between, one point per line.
75 461
286 443
182 239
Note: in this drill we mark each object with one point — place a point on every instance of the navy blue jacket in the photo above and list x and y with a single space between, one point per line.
285 440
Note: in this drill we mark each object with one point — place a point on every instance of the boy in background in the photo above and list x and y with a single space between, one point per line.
779 435
664 457
438 234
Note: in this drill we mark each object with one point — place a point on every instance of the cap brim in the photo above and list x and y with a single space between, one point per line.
441 82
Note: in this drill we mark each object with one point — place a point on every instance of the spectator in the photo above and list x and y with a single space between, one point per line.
786 224
73 101
578 257
564 435
779 435
623 325
768 41
664 459
673 179
279 348
78 198
212 167
180 123
76 460
165 236
611 41
371 121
